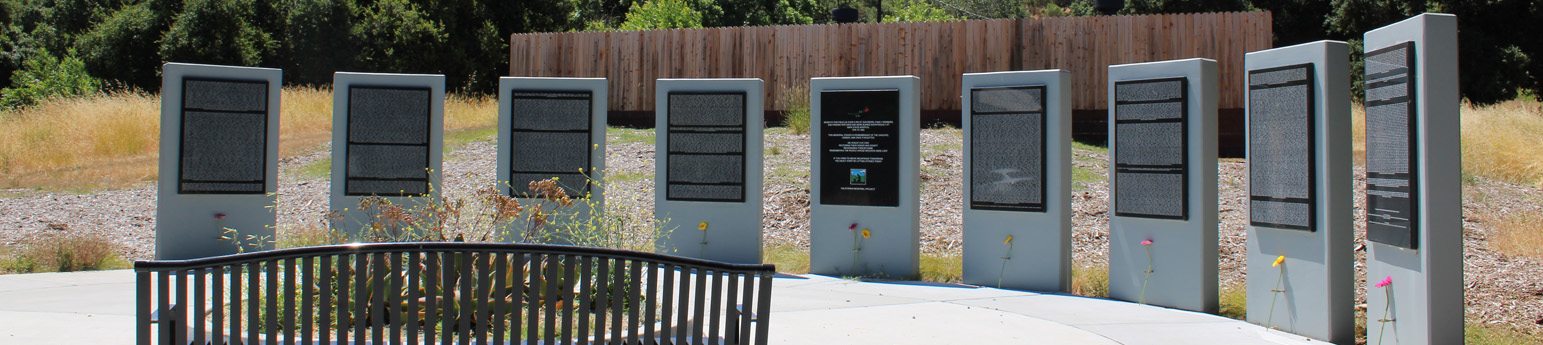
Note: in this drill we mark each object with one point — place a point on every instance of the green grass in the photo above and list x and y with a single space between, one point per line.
624 176
1234 301
320 169
456 139
1098 149
1487 334
623 136
1083 177
942 268
786 174
788 258
1090 281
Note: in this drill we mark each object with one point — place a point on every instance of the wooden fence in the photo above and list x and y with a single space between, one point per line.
938 52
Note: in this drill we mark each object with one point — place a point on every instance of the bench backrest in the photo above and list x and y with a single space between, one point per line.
419 293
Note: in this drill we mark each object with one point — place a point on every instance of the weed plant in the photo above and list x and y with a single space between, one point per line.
62 252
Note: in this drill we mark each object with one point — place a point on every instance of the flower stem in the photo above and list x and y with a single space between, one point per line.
1005 257
1388 305
1275 294
1143 298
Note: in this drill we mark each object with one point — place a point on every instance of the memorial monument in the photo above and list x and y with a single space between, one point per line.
1414 256
1162 150
1017 180
387 141
552 128
864 176
218 160
1300 263
707 167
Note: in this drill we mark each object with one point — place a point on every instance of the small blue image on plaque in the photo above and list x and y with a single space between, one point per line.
859 177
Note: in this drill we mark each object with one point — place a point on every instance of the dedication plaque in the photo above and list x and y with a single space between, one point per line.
1151 178
1391 212
224 137
1007 148
860 147
706 152
550 137
1281 153
388 141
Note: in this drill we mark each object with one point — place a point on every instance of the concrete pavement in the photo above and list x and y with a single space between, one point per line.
98 308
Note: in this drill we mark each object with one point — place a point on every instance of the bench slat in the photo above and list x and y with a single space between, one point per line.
324 305
412 297
633 304
500 284
471 293
307 301
763 313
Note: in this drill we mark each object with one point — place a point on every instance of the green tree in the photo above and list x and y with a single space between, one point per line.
1497 41
918 11
124 48
217 32
662 14
312 39
1297 21
395 36
46 77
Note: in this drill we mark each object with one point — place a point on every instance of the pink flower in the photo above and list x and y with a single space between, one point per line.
219 216
1385 282
853 227
1146 242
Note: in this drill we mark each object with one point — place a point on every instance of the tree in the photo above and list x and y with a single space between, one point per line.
919 11
46 77
1497 40
217 32
662 14
120 48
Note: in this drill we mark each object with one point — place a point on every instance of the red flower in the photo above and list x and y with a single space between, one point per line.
219 216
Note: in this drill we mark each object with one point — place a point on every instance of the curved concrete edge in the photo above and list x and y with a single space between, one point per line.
820 309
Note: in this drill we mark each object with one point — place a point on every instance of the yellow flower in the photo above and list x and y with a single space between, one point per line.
702 226
866 233
1008 240
1278 261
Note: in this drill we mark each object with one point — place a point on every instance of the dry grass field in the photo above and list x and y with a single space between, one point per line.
111 140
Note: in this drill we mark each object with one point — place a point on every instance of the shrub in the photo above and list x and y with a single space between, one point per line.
1090 280
796 109
662 14
63 252
45 77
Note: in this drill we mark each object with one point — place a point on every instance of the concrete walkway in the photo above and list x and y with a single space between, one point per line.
98 308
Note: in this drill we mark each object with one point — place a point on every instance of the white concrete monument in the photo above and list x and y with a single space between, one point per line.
1298 111
219 160
1414 259
1162 189
707 167
1017 179
552 128
387 139
865 176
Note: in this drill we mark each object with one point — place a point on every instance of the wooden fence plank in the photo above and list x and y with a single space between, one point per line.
785 57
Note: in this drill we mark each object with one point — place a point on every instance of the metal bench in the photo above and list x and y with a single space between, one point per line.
451 293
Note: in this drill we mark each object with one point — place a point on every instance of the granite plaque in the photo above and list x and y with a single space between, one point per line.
388 141
1390 147
860 143
224 137
1008 150
1281 155
706 152
1151 177
550 138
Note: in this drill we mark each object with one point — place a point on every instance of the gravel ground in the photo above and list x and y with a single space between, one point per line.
1500 288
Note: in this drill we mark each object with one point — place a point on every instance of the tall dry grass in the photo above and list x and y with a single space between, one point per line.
103 139
112 140
1502 142
1499 141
